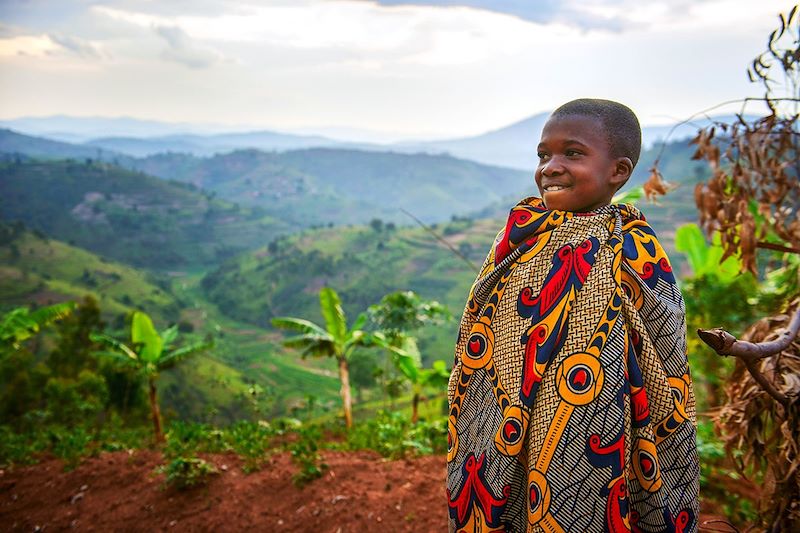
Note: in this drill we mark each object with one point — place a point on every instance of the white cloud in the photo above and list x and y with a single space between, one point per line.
78 46
184 50
403 68
27 45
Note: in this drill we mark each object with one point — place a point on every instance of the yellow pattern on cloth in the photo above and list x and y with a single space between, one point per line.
571 406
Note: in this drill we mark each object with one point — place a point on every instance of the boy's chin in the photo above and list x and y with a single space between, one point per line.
555 205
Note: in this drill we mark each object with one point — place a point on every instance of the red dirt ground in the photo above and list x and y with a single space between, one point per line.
361 492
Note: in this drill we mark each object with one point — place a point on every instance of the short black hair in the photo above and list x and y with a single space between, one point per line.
619 122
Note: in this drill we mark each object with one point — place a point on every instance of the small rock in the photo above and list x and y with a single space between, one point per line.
224 468
77 497
280 521
407 485
172 524
338 498
300 509
73 524
379 519
84 488
397 507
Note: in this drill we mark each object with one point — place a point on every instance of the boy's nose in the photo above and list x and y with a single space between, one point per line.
552 167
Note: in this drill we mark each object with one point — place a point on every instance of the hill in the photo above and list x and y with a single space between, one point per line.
128 216
511 146
207 145
37 270
344 186
17 144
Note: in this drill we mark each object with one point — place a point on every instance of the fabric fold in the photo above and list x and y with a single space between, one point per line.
570 402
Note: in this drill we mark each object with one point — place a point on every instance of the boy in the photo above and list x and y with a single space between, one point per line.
571 406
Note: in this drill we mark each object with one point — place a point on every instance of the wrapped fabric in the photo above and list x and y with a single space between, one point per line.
570 402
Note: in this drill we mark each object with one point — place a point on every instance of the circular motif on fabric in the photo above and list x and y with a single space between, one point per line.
579 378
633 291
680 392
479 348
538 497
452 438
645 465
510 435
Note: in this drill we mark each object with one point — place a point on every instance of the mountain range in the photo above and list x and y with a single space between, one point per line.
510 146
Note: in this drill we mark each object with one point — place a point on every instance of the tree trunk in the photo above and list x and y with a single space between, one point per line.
415 408
156 413
344 377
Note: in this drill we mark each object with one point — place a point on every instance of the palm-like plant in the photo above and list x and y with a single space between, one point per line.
21 323
407 360
149 352
334 340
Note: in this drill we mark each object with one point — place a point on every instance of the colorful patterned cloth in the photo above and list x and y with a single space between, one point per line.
571 405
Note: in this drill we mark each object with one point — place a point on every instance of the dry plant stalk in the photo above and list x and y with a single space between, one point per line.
768 431
753 200
754 190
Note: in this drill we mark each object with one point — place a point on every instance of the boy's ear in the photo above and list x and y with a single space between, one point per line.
623 168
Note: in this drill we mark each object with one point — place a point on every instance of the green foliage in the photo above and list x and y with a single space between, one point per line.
716 294
187 472
631 196
251 442
706 260
72 353
305 455
21 323
69 444
73 401
392 435
150 352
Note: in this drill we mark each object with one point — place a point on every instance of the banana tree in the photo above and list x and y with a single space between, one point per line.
407 360
21 323
334 340
149 353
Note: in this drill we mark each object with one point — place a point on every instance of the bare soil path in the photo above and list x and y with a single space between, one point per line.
361 492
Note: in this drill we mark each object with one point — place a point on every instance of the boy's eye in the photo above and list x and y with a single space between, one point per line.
572 153
542 155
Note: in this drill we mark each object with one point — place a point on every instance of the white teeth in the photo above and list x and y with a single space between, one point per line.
552 188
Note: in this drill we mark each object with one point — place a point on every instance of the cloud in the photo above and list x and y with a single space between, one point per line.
604 15
78 46
185 50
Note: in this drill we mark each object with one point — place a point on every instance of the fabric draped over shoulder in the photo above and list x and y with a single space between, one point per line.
570 401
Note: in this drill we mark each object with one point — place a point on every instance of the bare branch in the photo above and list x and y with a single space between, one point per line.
751 353
472 265
777 247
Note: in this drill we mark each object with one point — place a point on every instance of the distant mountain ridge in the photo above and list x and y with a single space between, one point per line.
315 185
511 146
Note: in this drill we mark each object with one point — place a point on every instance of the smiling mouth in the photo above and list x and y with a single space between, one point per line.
554 188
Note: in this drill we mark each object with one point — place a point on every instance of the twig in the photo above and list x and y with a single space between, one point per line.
751 353
743 101
441 239
777 247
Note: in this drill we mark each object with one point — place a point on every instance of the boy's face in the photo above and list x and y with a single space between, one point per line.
576 171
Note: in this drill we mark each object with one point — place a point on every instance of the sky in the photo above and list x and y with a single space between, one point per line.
405 69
